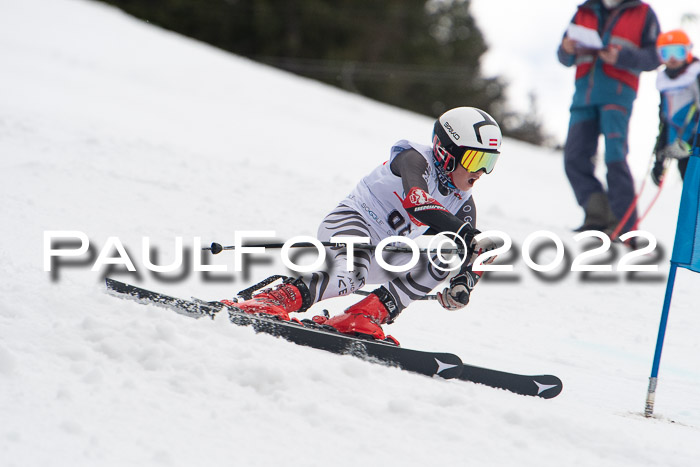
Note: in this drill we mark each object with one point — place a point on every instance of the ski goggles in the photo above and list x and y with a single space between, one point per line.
472 160
677 51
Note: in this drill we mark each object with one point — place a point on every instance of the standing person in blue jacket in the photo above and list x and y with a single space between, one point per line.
606 87
679 107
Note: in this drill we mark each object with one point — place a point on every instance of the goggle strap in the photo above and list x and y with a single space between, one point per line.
449 160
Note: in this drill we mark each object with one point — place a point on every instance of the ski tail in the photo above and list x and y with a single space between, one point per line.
191 308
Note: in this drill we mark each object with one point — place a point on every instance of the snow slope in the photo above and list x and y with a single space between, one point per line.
114 128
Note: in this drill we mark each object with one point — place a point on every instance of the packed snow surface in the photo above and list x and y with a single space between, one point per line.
114 128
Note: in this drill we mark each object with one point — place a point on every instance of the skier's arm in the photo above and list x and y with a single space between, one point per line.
412 167
657 171
466 212
663 129
413 170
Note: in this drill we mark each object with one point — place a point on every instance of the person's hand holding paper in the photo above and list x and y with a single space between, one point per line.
586 39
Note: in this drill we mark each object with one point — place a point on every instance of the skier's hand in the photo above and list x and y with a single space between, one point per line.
677 150
482 246
657 172
456 296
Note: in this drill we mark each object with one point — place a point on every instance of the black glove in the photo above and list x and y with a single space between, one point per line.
467 232
482 246
660 139
657 172
456 296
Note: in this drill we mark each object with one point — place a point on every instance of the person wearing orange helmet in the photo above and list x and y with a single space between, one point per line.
679 108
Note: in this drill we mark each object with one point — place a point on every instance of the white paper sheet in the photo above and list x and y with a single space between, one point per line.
585 37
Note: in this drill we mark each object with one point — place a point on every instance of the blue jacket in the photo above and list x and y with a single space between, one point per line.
633 27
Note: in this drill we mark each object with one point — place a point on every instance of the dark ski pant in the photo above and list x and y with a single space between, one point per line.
586 124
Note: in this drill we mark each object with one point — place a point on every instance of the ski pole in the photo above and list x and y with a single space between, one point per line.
217 248
651 204
633 204
616 232
424 297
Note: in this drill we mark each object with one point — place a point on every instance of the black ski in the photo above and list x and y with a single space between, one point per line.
545 386
445 365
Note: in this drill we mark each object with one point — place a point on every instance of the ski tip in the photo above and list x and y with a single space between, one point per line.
548 386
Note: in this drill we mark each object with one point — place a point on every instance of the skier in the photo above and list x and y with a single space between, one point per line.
679 85
419 188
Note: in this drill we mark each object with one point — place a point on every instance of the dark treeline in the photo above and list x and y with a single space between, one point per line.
415 54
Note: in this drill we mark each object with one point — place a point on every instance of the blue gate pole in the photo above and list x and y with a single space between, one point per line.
651 392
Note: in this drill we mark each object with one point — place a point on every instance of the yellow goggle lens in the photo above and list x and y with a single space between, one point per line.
474 160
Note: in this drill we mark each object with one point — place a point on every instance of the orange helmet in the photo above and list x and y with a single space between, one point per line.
675 37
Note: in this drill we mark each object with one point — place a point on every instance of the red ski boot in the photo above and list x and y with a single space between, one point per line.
367 316
289 297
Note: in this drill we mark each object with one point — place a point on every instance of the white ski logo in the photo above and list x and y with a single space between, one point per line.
543 387
442 366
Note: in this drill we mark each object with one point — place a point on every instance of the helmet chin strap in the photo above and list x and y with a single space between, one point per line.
444 178
452 180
